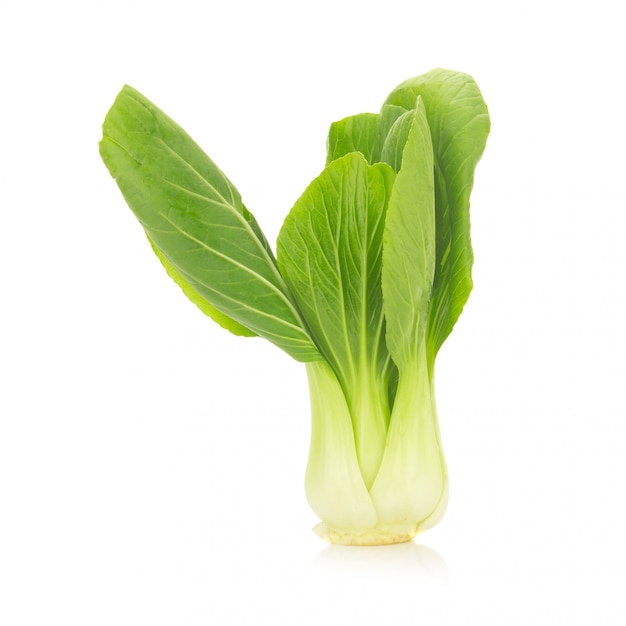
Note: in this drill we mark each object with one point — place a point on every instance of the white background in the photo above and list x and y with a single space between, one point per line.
151 464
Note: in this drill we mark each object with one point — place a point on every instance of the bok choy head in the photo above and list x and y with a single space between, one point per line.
372 270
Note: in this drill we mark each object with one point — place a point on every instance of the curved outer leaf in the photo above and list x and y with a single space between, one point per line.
196 219
206 307
459 125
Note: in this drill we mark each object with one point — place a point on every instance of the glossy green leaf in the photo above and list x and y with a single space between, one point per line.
206 307
459 125
409 243
196 219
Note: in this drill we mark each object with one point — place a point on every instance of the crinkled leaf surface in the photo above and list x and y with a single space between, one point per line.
196 219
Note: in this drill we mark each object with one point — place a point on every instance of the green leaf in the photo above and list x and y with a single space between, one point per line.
196 219
329 251
459 125
353 134
409 243
387 118
364 133
206 307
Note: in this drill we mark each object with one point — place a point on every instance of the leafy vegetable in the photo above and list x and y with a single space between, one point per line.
373 269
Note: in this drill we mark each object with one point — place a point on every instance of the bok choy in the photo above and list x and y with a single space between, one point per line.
371 272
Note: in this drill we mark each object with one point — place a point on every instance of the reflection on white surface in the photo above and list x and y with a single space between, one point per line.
400 561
